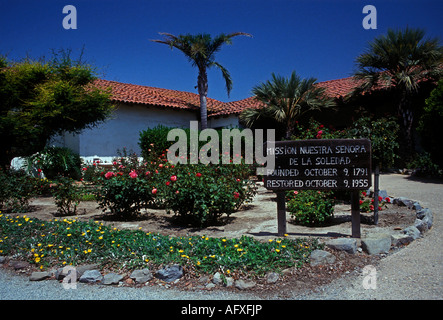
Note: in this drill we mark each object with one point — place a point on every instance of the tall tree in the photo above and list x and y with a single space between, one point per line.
200 50
400 61
39 99
285 100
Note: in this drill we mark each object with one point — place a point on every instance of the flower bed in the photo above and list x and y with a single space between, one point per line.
72 242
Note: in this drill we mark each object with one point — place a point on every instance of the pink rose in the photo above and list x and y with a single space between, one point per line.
173 178
133 174
154 191
109 174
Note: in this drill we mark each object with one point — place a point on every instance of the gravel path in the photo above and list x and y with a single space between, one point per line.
415 272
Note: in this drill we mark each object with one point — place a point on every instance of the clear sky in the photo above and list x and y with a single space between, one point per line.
317 38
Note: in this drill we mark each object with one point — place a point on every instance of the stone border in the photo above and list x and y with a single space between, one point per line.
381 243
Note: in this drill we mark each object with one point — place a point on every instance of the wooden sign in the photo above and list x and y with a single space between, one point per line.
323 164
335 164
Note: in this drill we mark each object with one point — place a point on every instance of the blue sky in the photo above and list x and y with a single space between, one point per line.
316 38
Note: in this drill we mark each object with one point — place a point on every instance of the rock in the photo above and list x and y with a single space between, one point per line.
416 206
81 269
426 216
376 243
170 273
272 277
203 279
383 194
321 257
400 239
112 278
91 276
423 213
217 279
412 231
210 285
17 265
244 284
229 282
61 273
141 275
403 202
421 225
343 244
2 259
39 275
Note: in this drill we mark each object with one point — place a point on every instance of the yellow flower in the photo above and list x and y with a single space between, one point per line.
235 245
283 246
270 240
37 260
224 240
68 235
101 237
277 250
239 249
278 241
198 263
286 234
50 245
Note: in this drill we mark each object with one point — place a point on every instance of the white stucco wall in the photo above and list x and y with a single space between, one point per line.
230 121
123 129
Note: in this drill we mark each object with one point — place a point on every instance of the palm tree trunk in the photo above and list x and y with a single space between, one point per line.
202 84
407 116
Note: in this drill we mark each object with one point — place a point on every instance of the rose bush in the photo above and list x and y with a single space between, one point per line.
198 194
201 194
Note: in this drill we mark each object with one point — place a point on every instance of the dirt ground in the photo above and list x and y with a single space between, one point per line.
257 219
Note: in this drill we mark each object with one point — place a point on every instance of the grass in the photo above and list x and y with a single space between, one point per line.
60 242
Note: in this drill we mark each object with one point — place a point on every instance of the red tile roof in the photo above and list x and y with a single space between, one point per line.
137 94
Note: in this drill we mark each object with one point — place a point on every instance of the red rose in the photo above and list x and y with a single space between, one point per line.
236 195
198 174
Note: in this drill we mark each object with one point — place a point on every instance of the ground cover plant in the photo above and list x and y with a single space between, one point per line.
61 242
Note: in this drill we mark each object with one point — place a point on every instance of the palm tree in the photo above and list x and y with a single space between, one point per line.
200 50
400 61
285 100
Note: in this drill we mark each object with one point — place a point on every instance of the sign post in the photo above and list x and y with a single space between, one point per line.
323 164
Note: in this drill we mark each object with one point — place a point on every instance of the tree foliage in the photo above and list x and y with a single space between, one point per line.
285 100
200 49
39 99
430 122
400 61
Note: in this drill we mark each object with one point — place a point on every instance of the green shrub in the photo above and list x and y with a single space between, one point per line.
383 133
201 194
424 166
16 190
67 195
154 142
310 207
56 162
429 125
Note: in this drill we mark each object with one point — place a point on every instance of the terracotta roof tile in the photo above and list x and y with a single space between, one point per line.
138 94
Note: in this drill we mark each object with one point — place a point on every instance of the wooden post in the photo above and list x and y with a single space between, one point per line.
281 213
376 191
355 212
